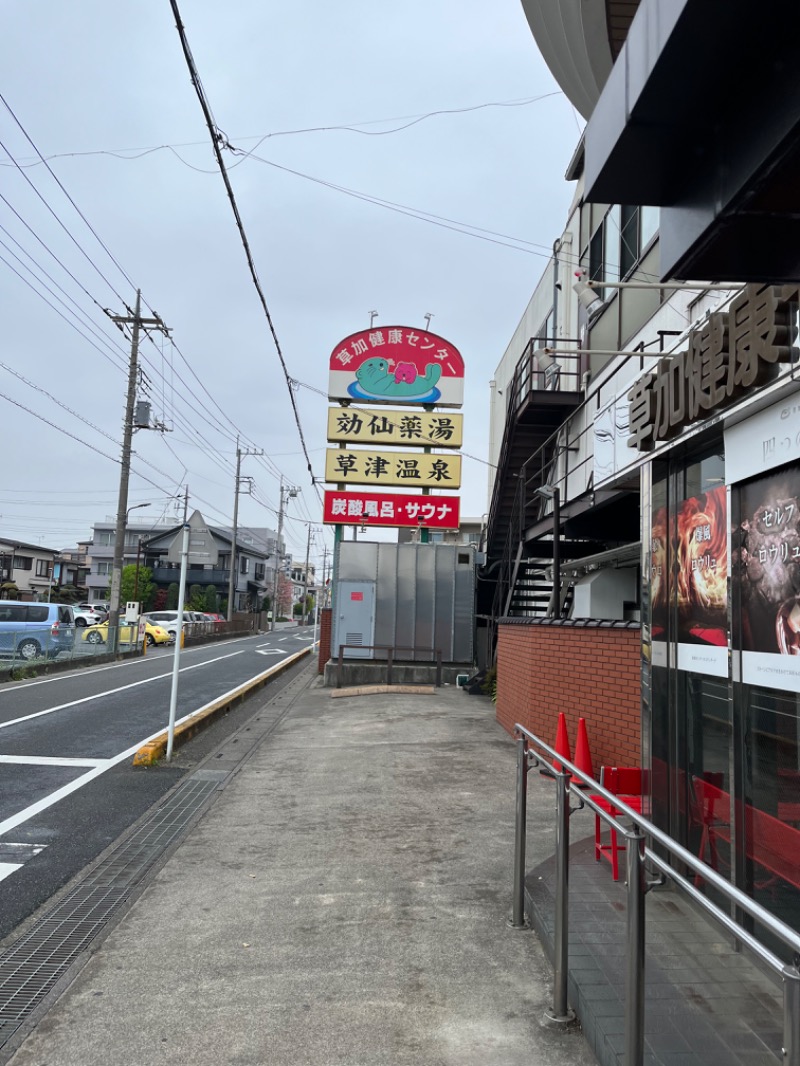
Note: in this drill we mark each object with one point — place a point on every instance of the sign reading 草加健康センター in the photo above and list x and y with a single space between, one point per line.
732 352
397 365
355 425
411 470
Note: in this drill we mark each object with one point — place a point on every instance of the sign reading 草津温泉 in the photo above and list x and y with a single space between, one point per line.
399 365
406 428
732 352
412 470
390 509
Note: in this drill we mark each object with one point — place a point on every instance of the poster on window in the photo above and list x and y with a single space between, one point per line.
701 573
659 587
766 556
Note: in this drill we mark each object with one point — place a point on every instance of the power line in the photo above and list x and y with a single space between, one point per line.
92 230
261 137
218 139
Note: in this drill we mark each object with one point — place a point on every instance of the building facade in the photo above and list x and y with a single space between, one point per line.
646 434
28 567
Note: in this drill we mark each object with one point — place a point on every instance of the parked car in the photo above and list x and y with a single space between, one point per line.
217 619
128 634
88 616
193 621
32 630
99 608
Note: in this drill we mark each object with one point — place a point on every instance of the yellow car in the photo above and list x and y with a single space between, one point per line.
128 634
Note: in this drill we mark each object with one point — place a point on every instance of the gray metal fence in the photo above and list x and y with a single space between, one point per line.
532 751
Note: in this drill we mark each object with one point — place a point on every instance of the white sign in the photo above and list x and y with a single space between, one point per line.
768 670
767 439
703 659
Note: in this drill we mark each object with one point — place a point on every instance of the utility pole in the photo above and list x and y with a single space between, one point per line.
137 322
305 575
232 576
291 494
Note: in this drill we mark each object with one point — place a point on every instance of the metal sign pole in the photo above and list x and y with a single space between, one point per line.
176 663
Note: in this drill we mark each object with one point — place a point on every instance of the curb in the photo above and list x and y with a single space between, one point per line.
155 749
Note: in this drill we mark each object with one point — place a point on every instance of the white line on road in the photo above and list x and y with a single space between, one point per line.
48 760
7 868
90 670
112 691
61 793
270 651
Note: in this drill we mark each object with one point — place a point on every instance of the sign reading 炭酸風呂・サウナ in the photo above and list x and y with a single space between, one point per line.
397 365
412 470
391 509
354 425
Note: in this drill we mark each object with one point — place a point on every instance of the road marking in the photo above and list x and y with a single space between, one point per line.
112 691
47 760
14 856
270 651
90 670
55 797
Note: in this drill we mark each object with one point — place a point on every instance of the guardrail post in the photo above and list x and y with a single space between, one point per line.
561 1014
339 665
634 987
791 1016
438 669
520 833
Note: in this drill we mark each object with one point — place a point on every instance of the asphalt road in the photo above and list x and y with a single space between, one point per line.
67 785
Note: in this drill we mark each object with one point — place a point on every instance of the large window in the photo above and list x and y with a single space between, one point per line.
619 241
23 562
42 568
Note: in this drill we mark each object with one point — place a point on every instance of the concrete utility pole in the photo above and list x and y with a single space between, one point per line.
291 493
137 322
305 574
232 576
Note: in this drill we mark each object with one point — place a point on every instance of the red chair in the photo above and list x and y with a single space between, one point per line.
625 782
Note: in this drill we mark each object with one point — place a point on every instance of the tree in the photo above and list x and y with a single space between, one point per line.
196 598
172 596
160 602
211 600
144 588
284 598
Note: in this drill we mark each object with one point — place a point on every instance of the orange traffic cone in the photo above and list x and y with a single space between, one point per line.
562 741
583 757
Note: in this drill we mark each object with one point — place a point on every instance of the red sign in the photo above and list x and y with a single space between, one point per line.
398 365
391 509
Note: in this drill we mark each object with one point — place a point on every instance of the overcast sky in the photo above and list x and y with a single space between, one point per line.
90 78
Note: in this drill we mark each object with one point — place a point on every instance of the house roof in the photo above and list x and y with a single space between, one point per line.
217 532
29 547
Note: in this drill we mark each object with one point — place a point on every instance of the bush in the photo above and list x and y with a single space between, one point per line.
172 596
211 600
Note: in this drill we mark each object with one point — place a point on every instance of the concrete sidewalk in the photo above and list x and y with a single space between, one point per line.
343 902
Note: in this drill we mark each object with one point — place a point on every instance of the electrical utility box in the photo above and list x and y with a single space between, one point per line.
355 610
141 415
421 596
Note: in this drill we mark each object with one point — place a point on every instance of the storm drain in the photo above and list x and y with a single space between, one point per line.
30 969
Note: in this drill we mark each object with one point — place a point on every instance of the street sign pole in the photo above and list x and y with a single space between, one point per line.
176 662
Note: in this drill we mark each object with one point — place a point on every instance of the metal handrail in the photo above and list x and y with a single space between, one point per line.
637 853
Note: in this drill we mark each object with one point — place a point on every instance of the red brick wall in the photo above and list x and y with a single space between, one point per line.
325 625
587 670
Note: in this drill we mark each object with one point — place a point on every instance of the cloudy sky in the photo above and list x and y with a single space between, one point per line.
104 93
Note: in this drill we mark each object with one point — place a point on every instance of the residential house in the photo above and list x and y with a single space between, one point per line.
101 552
28 566
210 560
